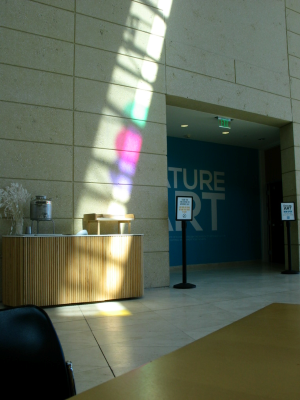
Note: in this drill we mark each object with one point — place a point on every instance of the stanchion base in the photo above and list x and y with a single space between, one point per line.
184 286
288 271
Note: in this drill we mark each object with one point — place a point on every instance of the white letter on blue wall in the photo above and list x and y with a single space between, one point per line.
175 170
216 181
185 180
213 197
205 181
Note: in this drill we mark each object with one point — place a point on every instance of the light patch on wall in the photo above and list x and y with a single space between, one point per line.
166 6
123 76
158 27
129 139
117 208
128 144
122 193
149 71
155 46
142 100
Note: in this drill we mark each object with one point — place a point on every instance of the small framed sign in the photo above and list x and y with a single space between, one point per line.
184 208
288 211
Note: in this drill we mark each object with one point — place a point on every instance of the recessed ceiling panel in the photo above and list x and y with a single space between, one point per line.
205 127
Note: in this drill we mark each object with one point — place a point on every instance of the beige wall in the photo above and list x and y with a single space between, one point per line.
290 134
230 54
70 70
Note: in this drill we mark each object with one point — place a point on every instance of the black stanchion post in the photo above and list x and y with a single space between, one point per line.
183 229
184 284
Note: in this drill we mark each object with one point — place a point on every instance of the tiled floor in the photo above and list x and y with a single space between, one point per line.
108 339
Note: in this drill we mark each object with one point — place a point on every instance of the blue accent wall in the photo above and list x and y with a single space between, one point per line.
224 181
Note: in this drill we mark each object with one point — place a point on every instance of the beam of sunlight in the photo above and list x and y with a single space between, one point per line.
122 193
141 71
113 309
117 208
115 154
158 27
138 109
166 6
149 71
114 274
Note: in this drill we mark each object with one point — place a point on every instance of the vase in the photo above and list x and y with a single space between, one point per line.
19 226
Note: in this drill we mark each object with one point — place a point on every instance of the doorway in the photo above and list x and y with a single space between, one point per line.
274 198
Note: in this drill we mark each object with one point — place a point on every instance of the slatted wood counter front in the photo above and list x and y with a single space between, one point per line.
56 269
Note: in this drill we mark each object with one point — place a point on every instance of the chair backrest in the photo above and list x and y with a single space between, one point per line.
32 362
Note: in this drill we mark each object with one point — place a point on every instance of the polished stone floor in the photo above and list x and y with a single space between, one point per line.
107 339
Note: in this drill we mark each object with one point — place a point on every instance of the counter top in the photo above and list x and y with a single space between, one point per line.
64 235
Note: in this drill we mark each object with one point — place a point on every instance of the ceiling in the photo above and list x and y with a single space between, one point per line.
205 127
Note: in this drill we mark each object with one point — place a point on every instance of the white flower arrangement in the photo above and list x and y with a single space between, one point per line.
13 199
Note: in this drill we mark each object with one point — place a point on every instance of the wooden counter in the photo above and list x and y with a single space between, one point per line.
50 270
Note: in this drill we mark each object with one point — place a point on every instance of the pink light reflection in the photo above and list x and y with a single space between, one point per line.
128 144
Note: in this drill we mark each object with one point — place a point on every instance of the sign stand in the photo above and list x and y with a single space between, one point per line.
288 215
184 212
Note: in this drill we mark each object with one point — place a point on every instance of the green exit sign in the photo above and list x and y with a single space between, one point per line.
224 122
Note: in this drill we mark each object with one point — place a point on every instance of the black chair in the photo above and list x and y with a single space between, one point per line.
32 362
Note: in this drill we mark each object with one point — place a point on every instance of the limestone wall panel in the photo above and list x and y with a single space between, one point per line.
65 4
32 51
262 79
297 159
296 111
287 160
156 269
250 31
293 21
156 233
118 69
119 39
214 91
26 160
287 137
294 64
36 124
29 86
294 44
192 58
61 194
110 166
293 5
145 201
91 130
41 19
289 184
121 101
295 88
124 12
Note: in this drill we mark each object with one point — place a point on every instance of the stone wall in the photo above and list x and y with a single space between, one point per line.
85 81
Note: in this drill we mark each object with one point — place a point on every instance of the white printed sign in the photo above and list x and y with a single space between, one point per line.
184 208
287 212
